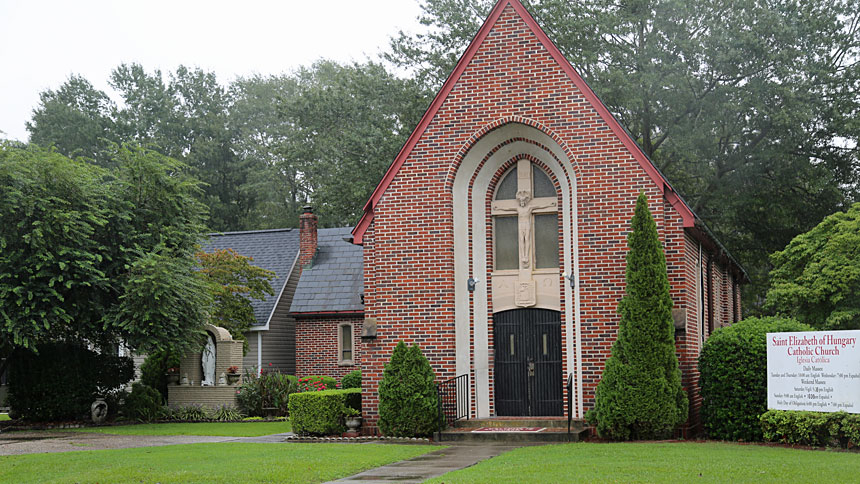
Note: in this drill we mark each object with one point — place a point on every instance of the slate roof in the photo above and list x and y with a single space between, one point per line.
335 280
275 250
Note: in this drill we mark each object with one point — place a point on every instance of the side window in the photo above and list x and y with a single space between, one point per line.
344 344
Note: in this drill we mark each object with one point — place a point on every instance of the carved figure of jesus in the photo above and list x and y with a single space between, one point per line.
524 211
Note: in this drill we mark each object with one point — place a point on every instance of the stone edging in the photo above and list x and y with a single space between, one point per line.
308 438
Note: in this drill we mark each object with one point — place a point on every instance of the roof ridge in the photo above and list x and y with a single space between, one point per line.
241 232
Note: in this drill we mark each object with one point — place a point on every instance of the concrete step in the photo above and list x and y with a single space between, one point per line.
547 422
466 434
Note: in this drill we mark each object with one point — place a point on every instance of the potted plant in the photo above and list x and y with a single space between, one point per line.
233 374
352 419
172 375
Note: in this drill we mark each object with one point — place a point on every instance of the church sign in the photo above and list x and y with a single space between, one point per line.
817 371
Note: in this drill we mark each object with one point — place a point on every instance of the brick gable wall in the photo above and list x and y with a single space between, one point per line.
408 248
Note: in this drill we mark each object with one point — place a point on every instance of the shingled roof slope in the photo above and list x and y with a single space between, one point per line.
275 250
335 280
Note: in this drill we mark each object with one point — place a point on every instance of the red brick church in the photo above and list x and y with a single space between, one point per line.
496 240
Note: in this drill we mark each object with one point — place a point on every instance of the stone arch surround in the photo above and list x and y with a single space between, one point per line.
478 162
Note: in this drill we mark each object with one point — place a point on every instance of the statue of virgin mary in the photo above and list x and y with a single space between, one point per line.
209 362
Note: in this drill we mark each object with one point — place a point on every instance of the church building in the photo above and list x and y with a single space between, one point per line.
496 240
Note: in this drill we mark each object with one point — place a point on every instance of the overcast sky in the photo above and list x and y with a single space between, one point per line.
42 42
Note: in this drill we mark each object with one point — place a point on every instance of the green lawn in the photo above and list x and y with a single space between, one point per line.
206 463
671 462
4 416
225 429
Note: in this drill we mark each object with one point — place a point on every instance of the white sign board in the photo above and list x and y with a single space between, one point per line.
817 371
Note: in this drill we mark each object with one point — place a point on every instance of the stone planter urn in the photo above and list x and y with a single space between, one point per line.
353 423
99 411
172 378
233 378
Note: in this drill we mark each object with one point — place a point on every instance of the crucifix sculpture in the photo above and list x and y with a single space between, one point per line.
524 205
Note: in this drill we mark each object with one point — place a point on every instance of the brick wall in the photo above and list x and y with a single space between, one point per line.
317 346
408 248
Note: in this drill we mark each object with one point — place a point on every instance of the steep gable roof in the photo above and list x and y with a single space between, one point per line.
275 250
690 220
335 280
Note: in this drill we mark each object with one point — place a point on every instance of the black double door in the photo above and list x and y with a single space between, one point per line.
527 363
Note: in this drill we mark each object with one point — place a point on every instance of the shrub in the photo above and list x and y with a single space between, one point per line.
315 383
351 380
191 413
63 380
266 391
225 413
321 413
408 404
153 369
733 377
640 395
143 403
811 428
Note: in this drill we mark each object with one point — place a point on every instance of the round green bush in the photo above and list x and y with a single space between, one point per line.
351 380
408 405
143 403
733 377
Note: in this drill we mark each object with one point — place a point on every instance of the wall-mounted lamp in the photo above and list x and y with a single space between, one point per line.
471 283
570 278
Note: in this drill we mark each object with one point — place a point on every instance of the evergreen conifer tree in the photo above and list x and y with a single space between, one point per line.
407 394
640 395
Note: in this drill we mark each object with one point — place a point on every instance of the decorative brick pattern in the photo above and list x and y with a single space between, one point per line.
408 246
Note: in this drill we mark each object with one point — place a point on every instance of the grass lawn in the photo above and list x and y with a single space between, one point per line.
206 463
220 429
4 416
672 462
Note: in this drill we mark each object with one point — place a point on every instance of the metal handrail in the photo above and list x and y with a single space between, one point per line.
569 403
453 400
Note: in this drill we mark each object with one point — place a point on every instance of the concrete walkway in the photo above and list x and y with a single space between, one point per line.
421 468
17 443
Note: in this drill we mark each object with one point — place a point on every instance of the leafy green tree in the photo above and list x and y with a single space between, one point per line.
263 141
76 118
347 122
407 394
749 107
99 256
640 395
233 281
816 278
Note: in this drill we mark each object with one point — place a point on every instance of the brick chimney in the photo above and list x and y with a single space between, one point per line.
307 237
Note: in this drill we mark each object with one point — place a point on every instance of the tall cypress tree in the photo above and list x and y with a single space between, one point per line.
640 394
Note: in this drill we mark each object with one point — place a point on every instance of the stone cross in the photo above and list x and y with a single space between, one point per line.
524 206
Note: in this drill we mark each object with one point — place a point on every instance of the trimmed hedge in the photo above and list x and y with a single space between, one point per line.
321 413
733 377
63 380
811 428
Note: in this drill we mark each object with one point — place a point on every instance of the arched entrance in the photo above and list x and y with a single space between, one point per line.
528 362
